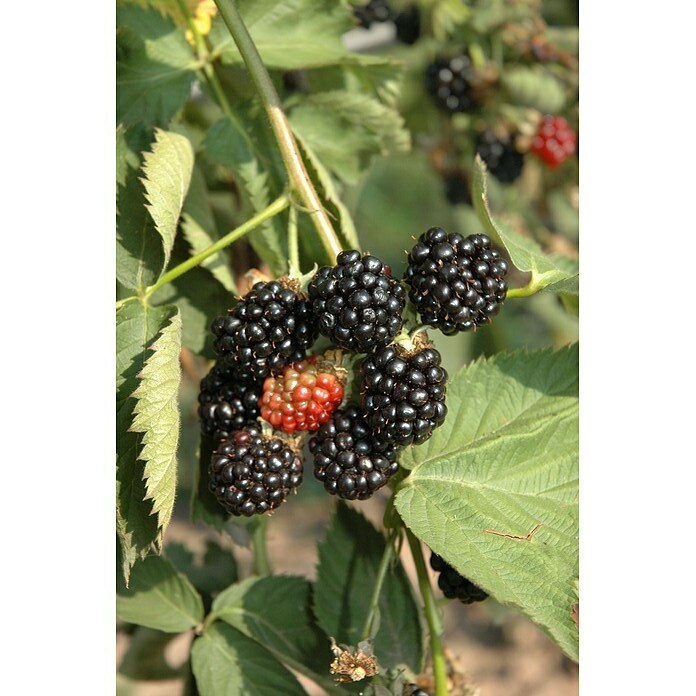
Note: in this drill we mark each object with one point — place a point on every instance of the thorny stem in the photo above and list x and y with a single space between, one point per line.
299 179
432 616
278 205
387 556
262 565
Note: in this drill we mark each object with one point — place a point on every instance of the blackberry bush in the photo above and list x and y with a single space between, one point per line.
250 475
454 585
356 303
456 283
450 82
403 393
503 160
270 327
349 459
226 403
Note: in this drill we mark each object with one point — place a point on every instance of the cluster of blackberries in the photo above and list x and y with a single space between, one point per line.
406 21
454 585
451 82
263 370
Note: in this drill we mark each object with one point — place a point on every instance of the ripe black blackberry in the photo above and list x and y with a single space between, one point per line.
456 283
227 403
449 81
357 304
403 393
453 585
503 160
372 11
269 328
456 187
348 459
408 25
250 475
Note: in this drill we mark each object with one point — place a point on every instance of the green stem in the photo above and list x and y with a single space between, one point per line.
387 556
432 616
262 565
278 205
531 288
293 246
299 179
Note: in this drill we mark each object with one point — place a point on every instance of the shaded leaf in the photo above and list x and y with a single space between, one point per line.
204 506
227 663
211 574
159 597
535 88
494 491
145 659
167 174
349 559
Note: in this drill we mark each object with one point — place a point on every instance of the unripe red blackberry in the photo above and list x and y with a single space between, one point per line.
357 304
456 283
348 459
502 159
454 585
555 141
226 403
269 328
403 393
250 475
303 397
450 82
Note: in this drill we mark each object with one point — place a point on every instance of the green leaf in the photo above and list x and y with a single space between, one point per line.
525 253
227 663
156 416
349 559
252 162
211 574
155 66
534 88
282 40
145 659
276 611
137 327
167 169
344 129
159 597
494 491
198 227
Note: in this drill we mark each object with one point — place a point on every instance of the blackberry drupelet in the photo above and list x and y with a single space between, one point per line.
372 11
403 393
348 459
449 81
269 328
250 475
357 304
456 283
453 585
504 162
226 403
408 25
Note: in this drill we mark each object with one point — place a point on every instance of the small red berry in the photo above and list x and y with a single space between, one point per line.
303 397
555 141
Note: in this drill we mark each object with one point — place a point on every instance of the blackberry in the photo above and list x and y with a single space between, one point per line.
456 187
408 25
372 11
358 305
403 393
453 585
348 459
456 283
226 403
449 81
250 475
269 328
503 160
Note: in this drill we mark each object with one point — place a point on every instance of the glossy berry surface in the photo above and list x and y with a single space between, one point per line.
453 585
269 328
372 11
456 283
449 83
348 459
555 141
504 162
226 403
250 475
403 394
357 304
302 398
